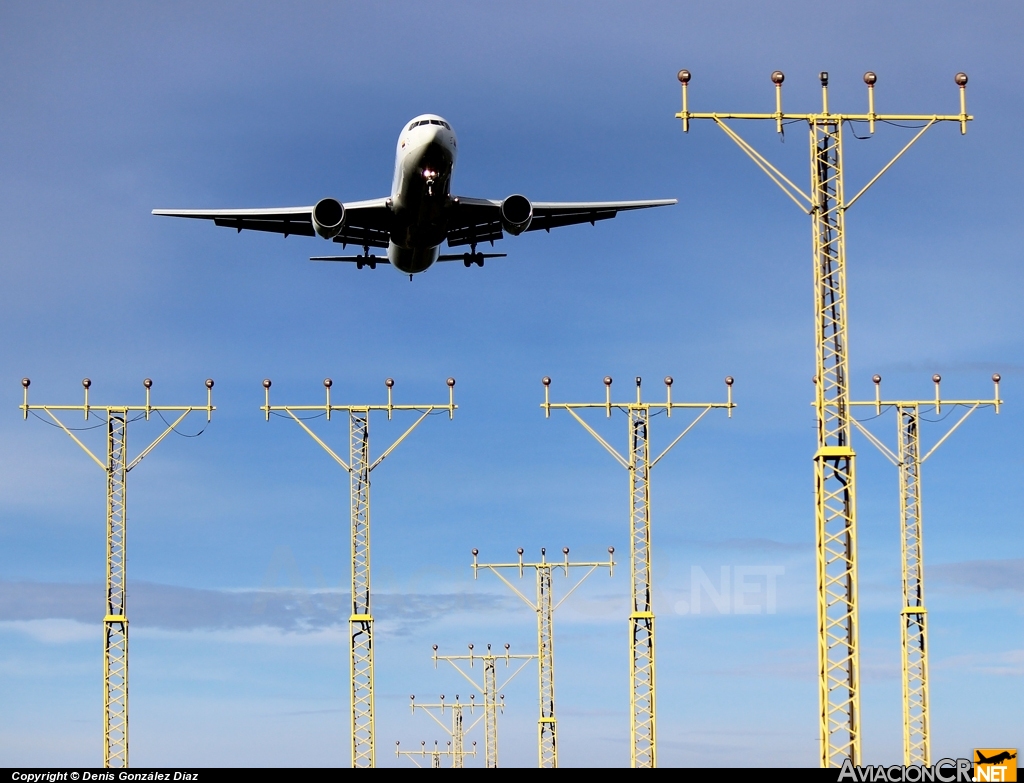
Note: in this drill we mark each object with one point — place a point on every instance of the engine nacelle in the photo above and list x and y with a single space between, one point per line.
516 214
328 217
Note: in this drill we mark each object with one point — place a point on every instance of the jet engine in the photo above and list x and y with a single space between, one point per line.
328 217
516 214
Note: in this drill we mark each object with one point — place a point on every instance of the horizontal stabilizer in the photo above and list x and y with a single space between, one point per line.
469 256
359 261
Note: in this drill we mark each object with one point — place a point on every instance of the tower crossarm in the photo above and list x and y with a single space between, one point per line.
819 119
435 754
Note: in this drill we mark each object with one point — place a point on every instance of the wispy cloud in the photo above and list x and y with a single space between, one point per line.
58 611
1008 663
982 574
53 630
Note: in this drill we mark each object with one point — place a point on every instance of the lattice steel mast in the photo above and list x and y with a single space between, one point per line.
116 466
493 701
835 485
547 739
359 468
913 615
643 745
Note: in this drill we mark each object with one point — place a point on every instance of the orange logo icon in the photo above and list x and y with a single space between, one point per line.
995 764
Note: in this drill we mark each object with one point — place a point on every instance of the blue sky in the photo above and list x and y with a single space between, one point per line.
238 539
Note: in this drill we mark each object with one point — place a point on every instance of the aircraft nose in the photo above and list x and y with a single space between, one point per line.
433 134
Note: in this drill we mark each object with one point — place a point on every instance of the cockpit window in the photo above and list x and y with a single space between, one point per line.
442 123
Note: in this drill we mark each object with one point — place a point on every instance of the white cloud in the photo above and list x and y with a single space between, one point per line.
53 630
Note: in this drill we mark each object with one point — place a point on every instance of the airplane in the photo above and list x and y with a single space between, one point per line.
1004 756
420 214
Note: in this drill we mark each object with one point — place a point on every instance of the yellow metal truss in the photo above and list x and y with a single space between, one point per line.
913 614
494 702
547 734
834 459
359 467
643 729
116 466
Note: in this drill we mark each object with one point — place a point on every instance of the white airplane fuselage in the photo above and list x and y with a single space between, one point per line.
421 192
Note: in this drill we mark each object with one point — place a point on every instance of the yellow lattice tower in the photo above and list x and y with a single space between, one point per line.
547 727
359 466
117 466
643 729
835 485
457 731
435 755
493 701
913 615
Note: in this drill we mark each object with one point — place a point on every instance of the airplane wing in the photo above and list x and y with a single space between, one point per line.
479 220
366 222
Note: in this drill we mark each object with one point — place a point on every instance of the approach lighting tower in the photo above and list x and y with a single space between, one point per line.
835 487
643 743
457 731
545 606
913 615
493 702
117 466
359 467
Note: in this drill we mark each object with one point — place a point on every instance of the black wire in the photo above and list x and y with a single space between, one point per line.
885 410
300 418
161 415
862 138
73 429
959 405
901 125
